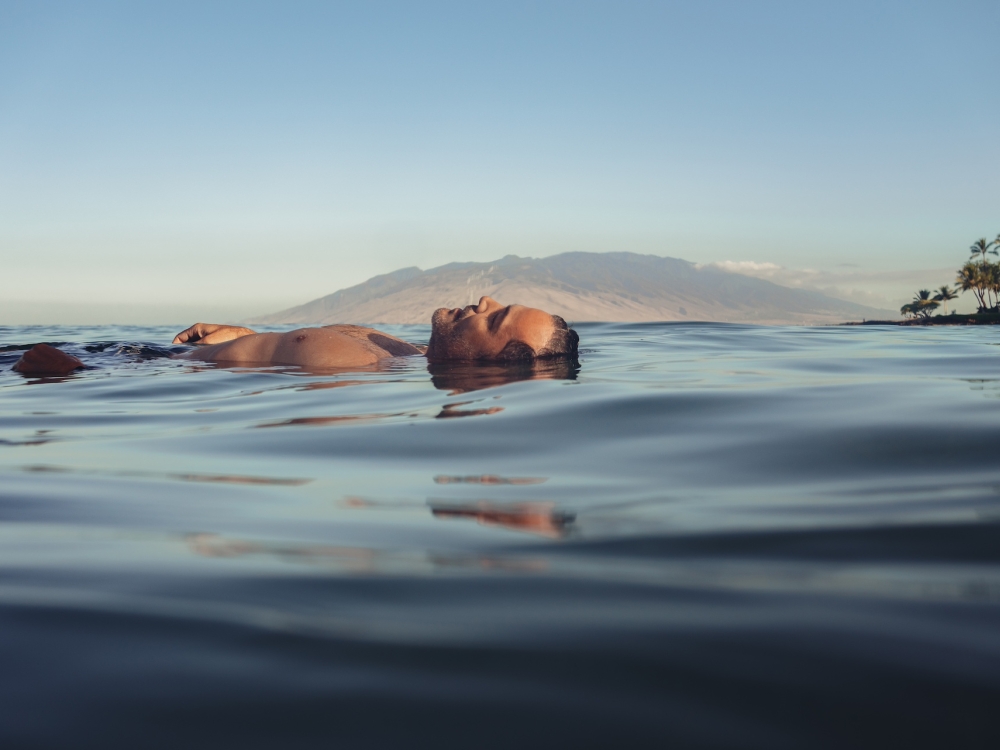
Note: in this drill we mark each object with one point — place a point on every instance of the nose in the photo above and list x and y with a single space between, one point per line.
485 303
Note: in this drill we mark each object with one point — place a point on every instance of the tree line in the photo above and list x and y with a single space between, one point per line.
978 275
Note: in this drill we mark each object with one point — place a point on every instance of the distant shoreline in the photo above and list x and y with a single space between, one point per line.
974 319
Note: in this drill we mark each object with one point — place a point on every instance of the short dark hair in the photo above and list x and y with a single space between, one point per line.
563 343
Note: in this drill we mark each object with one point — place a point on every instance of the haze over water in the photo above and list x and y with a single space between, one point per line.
705 536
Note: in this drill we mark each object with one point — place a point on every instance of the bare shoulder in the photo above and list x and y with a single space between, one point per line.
394 347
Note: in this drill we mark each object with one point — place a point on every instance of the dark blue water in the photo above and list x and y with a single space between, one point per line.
704 536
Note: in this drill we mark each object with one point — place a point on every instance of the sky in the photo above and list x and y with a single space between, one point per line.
160 161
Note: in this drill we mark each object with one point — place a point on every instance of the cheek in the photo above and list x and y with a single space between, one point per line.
474 339
479 340
440 336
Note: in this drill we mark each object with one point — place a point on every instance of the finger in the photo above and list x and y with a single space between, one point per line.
189 335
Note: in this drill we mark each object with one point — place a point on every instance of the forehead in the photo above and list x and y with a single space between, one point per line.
532 326
531 316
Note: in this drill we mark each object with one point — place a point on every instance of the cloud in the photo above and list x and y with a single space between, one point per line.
883 289
749 267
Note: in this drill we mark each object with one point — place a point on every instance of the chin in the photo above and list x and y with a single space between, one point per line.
438 318
438 327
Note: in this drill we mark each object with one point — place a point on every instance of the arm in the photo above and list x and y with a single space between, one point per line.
210 333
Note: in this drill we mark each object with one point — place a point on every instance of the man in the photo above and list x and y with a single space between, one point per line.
488 331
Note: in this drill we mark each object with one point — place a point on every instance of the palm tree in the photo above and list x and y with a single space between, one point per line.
991 274
971 279
981 247
923 305
945 295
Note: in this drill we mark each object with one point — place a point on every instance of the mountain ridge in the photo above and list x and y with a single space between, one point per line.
581 287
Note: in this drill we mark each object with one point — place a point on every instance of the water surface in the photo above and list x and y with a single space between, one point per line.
703 536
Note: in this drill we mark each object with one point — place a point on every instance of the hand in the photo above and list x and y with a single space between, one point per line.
42 359
210 333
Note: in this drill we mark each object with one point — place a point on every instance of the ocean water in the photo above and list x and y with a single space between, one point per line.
702 536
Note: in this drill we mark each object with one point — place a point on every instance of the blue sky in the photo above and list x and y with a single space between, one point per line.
232 158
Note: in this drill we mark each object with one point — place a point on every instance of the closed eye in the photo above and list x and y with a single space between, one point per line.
497 318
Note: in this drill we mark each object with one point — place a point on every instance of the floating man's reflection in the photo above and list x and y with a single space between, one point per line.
487 479
350 559
463 377
454 377
541 518
347 560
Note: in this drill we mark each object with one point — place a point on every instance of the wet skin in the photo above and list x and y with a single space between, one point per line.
43 360
330 347
475 332
480 332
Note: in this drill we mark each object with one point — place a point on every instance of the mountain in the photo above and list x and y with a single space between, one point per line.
579 287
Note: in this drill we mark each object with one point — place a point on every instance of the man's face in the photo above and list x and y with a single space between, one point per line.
482 331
